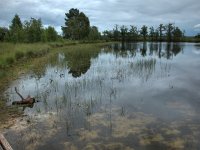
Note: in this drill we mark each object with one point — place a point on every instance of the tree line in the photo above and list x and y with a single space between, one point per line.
77 27
29 32
168 32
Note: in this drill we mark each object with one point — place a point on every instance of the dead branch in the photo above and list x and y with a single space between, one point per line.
19 94
25 101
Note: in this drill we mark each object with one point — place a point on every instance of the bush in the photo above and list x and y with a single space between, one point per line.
19 55
10 60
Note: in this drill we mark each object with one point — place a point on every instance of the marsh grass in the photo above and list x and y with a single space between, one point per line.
11 53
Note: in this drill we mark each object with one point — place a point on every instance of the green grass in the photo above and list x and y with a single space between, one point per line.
11 53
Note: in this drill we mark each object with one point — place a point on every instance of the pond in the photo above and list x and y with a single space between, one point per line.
133 96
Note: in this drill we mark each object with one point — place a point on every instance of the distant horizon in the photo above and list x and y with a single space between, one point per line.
106 13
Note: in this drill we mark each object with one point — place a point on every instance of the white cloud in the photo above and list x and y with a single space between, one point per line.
197 26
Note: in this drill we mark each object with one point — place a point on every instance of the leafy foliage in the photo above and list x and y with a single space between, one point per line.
16 30
77 25
33 30
30 31
144 32
134 33
49 34
168 32
116 33
94 33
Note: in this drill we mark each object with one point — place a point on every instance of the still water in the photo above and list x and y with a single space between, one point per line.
142 96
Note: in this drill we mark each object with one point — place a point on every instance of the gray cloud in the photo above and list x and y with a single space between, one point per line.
106 13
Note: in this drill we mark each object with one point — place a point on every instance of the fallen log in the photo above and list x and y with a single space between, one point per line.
25 101
4 143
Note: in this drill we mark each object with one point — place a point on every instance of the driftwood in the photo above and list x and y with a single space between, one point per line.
25 101
4 143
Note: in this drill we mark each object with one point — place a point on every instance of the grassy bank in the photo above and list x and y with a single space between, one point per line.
10 53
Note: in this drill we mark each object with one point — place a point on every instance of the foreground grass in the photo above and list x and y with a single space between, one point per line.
35 63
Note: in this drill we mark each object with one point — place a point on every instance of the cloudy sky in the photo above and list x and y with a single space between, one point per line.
106 13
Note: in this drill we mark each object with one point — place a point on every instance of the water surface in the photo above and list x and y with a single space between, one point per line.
133 96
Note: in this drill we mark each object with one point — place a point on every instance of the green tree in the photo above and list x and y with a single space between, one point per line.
177 34
156 35
94 33
77 25
161 29
169 30
152 33
51 34
33 30
144 31
116 33
124 31
134 33
107 35
44 35
16 30
71 16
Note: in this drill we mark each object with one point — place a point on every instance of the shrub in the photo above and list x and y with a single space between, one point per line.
19 55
